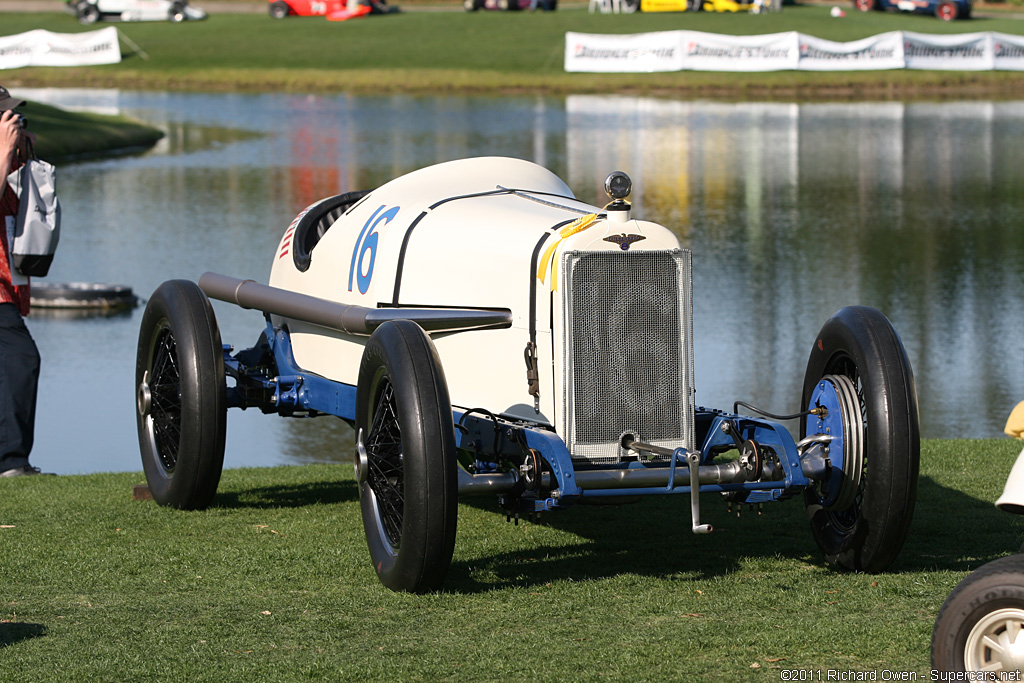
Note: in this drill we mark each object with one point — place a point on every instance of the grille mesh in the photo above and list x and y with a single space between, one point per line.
628 351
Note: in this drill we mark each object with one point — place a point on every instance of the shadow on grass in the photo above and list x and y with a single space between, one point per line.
12 632
289 495
951 531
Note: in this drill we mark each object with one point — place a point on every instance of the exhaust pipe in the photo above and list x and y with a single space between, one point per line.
348 318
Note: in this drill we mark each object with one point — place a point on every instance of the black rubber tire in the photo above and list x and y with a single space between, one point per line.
176 14
181 396
860 343
982 604
87 13
406 459
279 9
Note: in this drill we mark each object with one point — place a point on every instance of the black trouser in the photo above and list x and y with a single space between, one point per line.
19 379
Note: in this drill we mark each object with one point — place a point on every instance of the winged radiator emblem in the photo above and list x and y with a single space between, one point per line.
624 240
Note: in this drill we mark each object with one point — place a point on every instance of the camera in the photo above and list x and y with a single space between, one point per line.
22 121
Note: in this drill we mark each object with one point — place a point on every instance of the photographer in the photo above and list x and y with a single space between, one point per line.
19 357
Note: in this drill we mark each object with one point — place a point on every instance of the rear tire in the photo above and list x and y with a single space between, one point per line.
947 11
279 10
865 5
176 14
181 396
87 13
982 620
406 461
867 534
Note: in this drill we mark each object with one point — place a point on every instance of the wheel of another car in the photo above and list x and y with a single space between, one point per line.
405 459
859 371
981 624
87 13
864 5
946 10
630 6
279 10
469 5
181 396
176 13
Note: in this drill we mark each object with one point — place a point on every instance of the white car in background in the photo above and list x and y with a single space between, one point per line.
91 11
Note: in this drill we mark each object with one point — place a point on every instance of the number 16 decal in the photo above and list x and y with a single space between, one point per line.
362 266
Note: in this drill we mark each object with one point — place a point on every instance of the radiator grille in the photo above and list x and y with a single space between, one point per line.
628 351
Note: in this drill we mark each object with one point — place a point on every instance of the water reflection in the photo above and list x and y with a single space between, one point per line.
792 211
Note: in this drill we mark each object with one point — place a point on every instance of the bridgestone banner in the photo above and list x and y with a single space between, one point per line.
884 51
45 48
698 51
714 52
636 53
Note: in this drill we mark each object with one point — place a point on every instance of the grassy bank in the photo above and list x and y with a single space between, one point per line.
67 135
274 583
493 52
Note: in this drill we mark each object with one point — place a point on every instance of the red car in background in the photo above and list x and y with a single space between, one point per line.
335 10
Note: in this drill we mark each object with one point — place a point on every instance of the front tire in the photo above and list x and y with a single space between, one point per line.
405 461
181 396
865 5
981 624
279 9
864 529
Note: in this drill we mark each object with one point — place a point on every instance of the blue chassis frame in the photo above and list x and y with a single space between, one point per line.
295 392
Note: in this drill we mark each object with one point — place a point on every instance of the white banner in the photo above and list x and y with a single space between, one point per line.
883 51
636 53
698 51
714 52
45 48
959 52
1007 52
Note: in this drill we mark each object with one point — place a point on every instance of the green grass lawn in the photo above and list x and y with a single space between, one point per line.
66 135
273 583
485 52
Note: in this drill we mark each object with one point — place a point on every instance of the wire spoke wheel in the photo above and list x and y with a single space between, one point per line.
181 396
384 460
165 389
405 459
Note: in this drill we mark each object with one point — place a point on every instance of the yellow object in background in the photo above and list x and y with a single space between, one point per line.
1015 423
663 5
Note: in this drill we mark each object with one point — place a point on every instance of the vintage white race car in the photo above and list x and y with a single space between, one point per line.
91 11
486 332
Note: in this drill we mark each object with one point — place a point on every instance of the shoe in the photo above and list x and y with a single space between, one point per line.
20 471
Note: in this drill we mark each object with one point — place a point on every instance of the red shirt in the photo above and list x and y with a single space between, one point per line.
9 293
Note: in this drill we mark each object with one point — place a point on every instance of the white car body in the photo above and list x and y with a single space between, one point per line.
454 259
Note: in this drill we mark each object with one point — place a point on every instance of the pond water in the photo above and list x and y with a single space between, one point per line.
792 211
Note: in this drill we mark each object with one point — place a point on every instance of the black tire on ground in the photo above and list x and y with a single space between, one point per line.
469 5
177 13
947 10
279 9
982 620
860 343
87 13
405 459
181 396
